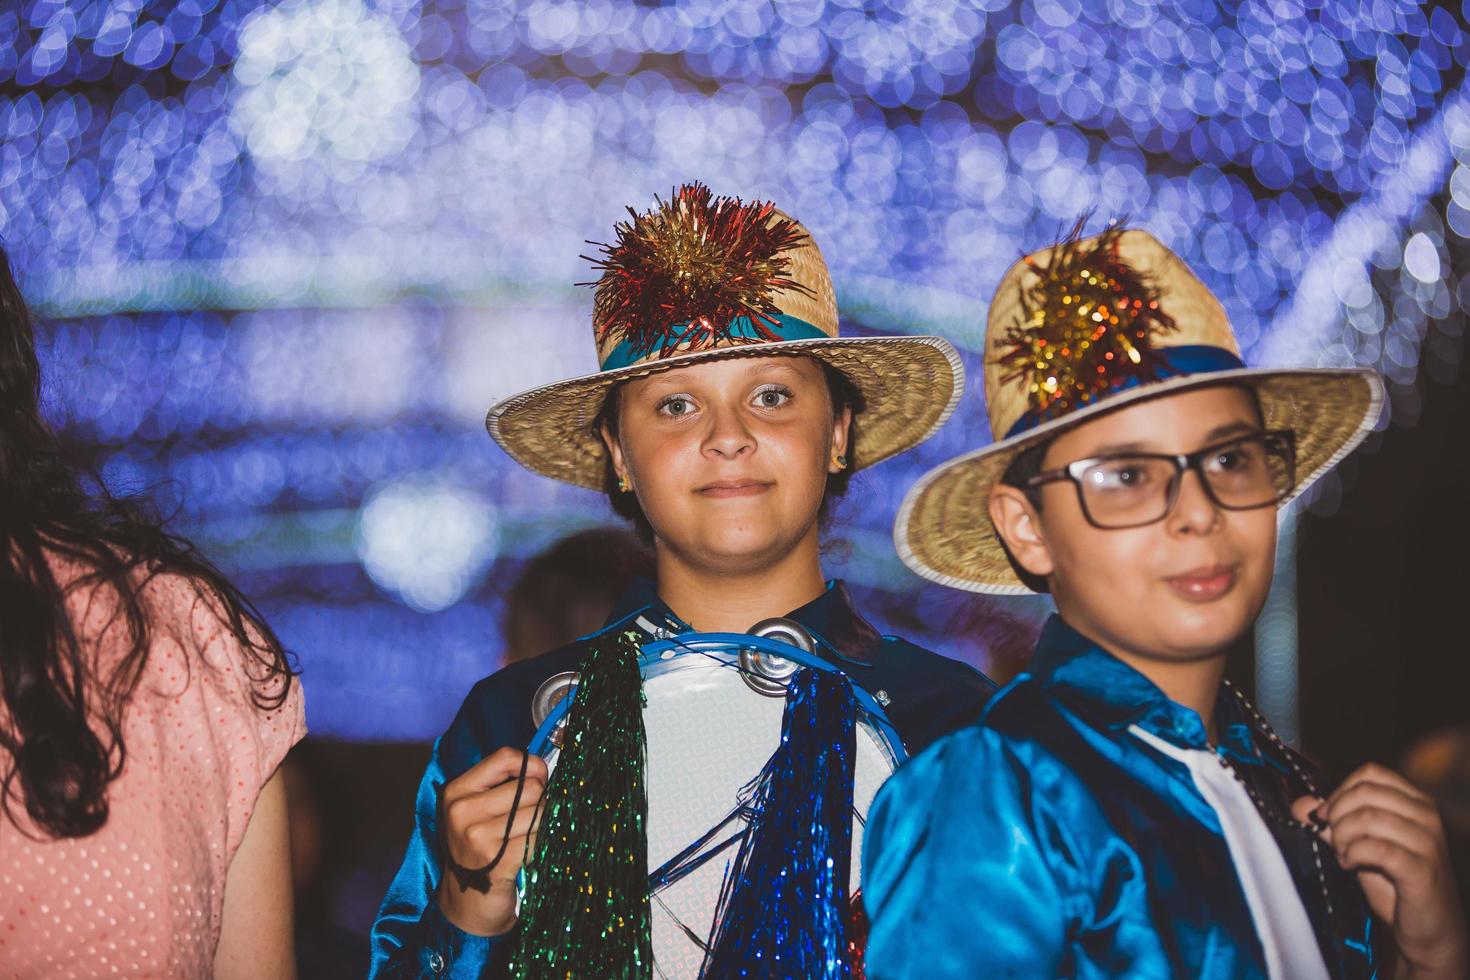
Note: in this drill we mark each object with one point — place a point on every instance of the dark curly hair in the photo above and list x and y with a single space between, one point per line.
842 393
61 730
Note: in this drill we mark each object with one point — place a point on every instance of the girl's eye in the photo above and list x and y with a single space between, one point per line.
772 397
675 406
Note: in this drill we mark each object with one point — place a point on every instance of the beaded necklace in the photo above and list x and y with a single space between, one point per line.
1312 830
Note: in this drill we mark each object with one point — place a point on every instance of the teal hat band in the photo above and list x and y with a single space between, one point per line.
783 325
1171 362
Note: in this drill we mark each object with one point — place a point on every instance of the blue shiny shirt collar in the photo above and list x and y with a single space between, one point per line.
1108 692
831 618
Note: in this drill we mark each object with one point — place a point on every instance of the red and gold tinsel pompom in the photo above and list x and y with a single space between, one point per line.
1086 325
681 273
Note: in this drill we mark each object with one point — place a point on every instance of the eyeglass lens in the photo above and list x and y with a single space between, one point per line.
1126 491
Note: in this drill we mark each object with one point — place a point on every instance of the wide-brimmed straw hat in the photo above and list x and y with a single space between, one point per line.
1086 327
699 278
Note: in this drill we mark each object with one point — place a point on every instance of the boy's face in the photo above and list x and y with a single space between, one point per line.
1176 590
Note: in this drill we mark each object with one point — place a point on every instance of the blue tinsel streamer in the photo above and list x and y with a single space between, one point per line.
784 908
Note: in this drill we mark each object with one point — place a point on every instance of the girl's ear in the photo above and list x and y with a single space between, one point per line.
615 453
841 435
1019 527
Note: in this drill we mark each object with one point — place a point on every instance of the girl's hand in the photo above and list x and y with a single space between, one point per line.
479 823
1390 835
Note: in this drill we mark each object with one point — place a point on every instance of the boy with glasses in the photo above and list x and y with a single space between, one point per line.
1121 810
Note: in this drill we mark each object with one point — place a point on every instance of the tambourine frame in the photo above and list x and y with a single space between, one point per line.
750 657
660 656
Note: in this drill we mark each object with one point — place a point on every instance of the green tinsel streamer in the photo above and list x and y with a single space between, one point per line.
585 912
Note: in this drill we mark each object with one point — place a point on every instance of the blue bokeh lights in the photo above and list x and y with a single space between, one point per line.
287 253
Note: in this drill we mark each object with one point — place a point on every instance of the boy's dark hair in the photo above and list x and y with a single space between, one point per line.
1026 465
843 394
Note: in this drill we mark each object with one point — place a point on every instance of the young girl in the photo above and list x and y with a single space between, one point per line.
145 711
726 416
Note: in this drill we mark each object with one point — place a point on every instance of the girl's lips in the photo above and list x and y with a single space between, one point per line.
1204 584
734 488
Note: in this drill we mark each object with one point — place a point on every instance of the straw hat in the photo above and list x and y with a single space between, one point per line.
1085 327
700 278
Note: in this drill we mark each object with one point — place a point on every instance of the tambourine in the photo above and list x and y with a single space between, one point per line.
714 704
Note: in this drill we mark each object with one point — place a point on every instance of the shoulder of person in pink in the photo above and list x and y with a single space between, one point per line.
144 895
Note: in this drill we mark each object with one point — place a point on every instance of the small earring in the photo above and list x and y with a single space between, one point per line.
841 460
622 485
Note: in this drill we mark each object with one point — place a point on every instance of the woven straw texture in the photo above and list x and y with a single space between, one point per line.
1199 315
910 386
943 531
808 267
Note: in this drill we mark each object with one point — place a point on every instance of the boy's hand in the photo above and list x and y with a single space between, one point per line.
1390 835
478 819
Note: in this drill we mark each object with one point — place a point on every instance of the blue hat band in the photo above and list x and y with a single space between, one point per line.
1172 362
784 326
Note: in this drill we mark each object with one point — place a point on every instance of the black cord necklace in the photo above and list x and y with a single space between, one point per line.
1312 830
479 878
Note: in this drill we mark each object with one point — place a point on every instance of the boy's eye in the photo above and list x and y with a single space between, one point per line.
676 406
772 396
1121 475
1235 458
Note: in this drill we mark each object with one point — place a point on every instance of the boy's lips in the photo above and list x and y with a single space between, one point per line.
1203 584
734 488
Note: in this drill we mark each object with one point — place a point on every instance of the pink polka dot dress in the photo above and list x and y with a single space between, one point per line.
143 896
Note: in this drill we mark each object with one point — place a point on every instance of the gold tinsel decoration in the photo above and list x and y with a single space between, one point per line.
681 274
1086 325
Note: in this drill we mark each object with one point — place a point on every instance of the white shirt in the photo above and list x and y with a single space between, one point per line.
1276 908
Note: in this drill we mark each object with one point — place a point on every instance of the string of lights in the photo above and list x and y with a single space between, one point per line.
286 252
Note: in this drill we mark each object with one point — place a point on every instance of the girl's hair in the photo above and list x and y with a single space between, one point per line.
61 725
842 393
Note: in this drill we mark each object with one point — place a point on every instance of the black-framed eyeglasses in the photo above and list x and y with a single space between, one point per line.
1126 490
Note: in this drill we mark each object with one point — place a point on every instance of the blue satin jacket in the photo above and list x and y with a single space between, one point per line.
1049 842
925 696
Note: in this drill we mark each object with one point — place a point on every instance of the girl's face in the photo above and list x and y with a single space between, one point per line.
730 457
